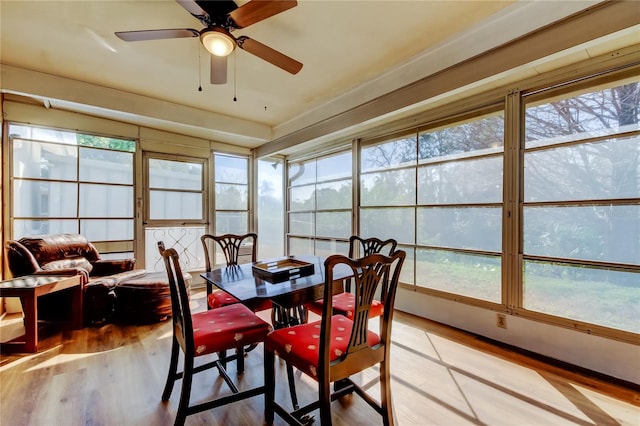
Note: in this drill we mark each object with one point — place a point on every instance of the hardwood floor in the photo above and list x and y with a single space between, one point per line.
114 375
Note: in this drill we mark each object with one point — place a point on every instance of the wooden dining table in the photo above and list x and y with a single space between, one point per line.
288 295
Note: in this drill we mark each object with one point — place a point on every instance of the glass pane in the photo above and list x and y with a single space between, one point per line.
334 195
231 169
175 205
101 165
480 136
23 228
44 160
300 246
389 154
302 173
107 229
117 256
590 171
603 112
334 167
469 275
327 248
270 208
333 224
604 233
391 188
599 296
301 223
231 223
43 134
302 198
44 199
184 239
106 201
175 175
406 275
475 181
477 228
396 223
231 197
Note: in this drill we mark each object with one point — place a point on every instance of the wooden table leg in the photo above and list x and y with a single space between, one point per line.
30 309
77 311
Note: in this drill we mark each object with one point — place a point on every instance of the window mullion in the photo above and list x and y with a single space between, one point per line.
512 209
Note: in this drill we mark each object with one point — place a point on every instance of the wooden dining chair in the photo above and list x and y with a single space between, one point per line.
205 333
343 303
231 246
336 347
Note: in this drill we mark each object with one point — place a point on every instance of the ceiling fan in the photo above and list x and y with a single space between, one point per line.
220 18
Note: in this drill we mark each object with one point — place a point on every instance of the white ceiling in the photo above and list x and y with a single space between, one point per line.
352 51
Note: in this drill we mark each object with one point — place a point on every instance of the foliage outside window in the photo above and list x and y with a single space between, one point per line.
320 200
68 182
581 210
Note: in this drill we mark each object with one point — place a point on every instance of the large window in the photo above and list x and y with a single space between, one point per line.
439 193
175 214
320 205
231 183
68 182
581 210
270 208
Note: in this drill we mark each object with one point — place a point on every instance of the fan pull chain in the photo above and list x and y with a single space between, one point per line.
235 99
199 69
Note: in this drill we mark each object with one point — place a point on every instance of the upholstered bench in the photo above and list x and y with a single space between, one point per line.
145 298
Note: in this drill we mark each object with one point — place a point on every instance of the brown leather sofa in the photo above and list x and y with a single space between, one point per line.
73 254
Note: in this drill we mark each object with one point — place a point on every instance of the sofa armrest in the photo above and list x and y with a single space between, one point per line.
105 267
20 260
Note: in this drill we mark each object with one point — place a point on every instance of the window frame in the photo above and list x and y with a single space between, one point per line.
337 244
249 211
107 247
545 94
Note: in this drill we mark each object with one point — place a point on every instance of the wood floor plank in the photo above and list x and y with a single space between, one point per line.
114 375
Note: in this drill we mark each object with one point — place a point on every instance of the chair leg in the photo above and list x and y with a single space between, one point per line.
173 368
292 387
269 385
240 359
185 394
222 356
324 397
385 394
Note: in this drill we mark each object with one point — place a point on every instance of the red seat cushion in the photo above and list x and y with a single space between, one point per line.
227 327
300 345
220 298
344 303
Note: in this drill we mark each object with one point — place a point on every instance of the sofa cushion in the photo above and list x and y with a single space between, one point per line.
77 262
111 281
48 248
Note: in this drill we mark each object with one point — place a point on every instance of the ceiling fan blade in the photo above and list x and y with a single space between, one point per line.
257 10
268 54
157 34
192 7
218 69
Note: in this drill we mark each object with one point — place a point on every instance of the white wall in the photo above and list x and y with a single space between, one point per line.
607 356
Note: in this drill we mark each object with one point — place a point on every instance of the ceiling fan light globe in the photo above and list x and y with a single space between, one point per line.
218 42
